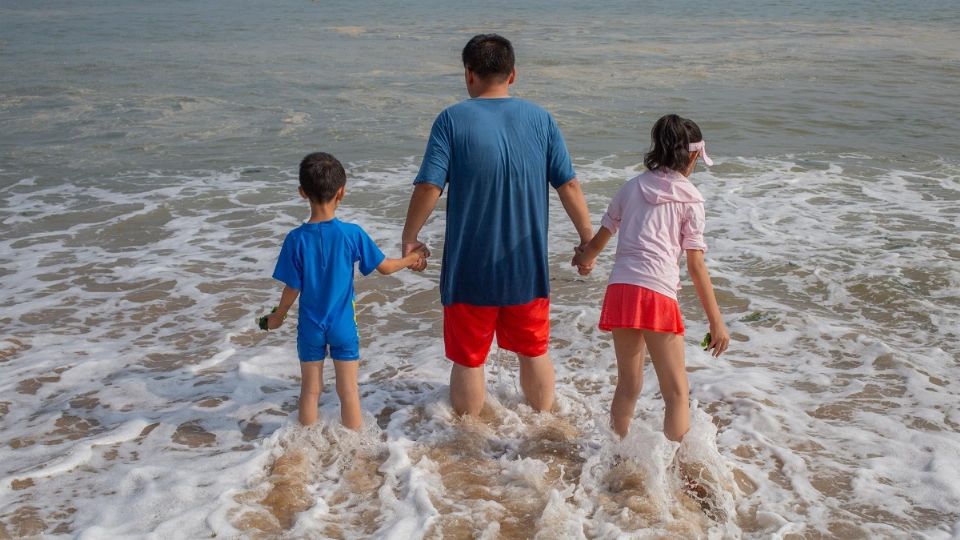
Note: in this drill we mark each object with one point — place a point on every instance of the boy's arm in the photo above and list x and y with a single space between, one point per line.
571 197
287 298
422 202
389 266
719 337
587 254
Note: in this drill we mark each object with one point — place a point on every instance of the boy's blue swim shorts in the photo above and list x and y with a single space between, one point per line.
343 344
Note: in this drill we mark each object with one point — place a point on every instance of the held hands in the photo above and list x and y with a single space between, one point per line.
418 258
583 261
416 246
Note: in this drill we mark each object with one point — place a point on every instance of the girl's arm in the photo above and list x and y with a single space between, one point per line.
719 338
287 298
389 266
585 257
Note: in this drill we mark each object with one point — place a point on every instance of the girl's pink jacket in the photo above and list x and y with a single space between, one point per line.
659 215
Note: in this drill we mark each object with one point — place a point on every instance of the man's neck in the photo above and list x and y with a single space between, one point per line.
491 93
492 90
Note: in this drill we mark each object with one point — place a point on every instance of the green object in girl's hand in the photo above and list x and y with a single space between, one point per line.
262 321
706 341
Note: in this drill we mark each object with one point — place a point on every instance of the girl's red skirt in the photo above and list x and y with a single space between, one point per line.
632 306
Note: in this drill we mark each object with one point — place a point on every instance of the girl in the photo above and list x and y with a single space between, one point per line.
660 215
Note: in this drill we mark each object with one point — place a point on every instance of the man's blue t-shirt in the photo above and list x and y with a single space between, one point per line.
496 157
317 259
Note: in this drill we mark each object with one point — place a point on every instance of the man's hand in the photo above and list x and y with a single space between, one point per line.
416 246
422 202
582 261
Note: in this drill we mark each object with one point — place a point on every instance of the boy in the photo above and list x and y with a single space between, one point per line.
316 263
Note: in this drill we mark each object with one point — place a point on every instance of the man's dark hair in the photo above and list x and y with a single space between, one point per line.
670 141
321 175
489 55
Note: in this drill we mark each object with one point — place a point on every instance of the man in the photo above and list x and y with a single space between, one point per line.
497 155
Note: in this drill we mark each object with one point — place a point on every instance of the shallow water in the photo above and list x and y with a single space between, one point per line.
146 179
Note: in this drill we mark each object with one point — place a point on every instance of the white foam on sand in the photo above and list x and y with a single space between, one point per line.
139 399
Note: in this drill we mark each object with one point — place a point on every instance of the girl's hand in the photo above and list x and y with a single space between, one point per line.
719 338
274 320
583 263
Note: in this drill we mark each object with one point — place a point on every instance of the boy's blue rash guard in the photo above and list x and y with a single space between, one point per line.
317 259
497 157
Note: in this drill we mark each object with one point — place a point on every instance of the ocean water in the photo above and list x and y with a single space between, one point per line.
147 176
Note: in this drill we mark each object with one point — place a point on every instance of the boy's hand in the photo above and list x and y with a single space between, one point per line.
409 247
275 320
583 263
422 255
416 258
719 339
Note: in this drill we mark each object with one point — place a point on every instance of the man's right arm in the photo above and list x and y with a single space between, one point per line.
571 196
422 202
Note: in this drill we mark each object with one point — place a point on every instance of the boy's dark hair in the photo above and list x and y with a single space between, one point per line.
670 143
321 175
488 55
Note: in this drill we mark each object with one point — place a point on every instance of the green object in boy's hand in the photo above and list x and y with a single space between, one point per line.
262 321
706 341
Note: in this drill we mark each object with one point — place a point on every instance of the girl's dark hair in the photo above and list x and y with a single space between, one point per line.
321 176
670 143
488 55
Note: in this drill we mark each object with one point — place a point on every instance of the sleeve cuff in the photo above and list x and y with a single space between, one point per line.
420 180
296 285
556 185
609 223
694 244
367 271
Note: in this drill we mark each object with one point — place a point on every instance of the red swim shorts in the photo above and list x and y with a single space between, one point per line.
468 330
632 306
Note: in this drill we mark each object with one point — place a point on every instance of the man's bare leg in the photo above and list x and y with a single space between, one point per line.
467 389
537 381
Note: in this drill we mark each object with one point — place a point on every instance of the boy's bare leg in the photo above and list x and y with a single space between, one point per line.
629 346
467 389
666 352
348 392
311 383
537 381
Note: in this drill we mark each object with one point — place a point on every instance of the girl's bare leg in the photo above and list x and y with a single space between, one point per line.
311 383
348 392
629 347
666 352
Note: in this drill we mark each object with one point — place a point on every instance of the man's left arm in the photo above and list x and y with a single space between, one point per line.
422 202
